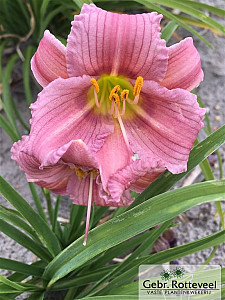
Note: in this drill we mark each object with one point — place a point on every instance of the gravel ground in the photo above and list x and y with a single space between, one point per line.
195 223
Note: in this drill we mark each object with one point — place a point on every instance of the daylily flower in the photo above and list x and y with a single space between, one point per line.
116 108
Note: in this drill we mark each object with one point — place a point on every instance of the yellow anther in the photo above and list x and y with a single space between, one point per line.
95 173
79 173
95 84
115 90
72 168
124 95
138 85
116 98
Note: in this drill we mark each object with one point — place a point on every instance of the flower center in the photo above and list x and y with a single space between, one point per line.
83 174
115 95
111 96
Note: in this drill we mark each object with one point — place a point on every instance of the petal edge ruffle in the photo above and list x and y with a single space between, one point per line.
184 66
49 61
131 47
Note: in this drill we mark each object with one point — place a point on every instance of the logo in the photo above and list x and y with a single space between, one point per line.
178 272
179 282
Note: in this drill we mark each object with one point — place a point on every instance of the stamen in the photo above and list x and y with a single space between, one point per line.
115 90
138 85
95 84
79 173
96 99
88 208
116 99
111 110
124 108
96 91
124 95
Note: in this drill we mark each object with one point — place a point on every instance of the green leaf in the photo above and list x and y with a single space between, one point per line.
39 225
12 284
76 216
148 214
127 289
168 30
6 95
37 201
24 240
2 46
83 279
216 10
166 256
188 9
26 74
120 249
171 16
80 3
36 296
122 267
13 217
8 129
200 152
13 265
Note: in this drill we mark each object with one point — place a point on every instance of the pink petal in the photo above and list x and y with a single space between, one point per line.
184 66
78 190
113 156
143 182
102 42
54 177
49 61
62 114
75 154
58 187
166 125
128 177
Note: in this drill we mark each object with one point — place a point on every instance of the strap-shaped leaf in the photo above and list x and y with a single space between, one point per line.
146 215
25 241
14 218
13 265
38 224
163 257
171 16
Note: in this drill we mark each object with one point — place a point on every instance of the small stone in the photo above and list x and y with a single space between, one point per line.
217 107
217 118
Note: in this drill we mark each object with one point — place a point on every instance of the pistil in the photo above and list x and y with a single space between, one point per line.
89 208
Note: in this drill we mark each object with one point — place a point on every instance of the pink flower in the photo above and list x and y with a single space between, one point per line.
115 111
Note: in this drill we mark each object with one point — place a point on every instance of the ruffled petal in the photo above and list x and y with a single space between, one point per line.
143 182
184 66
128 177
62 114
74 154
166 125
54 178
49 61
102 42
78 189
58 187
113 156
